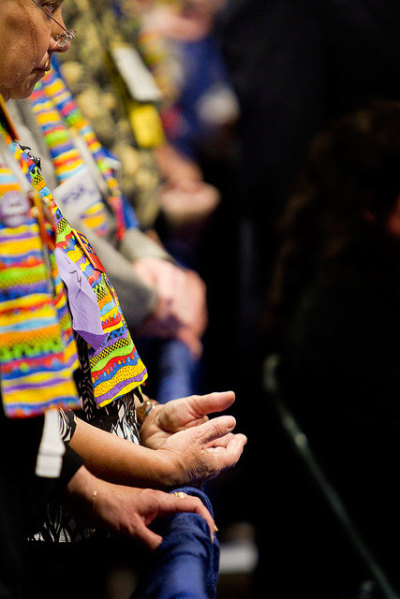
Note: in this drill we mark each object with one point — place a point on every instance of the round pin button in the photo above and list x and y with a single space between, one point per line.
14 208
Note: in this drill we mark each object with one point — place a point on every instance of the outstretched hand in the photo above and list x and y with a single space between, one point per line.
203 451
180 445
201 448
179 414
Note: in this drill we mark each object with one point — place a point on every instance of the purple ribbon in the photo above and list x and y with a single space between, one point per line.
82 301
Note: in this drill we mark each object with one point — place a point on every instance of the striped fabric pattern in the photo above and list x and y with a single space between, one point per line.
116 366
37 350
66 158
55 87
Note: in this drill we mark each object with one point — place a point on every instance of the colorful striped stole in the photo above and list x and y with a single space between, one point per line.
56 89
66 157
116 367
38 354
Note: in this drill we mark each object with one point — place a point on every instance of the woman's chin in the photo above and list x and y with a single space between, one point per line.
24 90
21 94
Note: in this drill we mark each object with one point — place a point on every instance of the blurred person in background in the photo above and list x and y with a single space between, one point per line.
333 320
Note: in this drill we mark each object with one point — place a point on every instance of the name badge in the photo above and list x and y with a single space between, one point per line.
14 208
137 77
147 126
77 194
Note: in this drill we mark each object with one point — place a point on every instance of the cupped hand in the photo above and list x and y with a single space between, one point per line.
174 416
200 453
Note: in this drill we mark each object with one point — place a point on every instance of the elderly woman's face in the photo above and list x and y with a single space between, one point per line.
26 44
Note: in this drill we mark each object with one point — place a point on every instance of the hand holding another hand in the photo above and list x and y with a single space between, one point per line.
181 310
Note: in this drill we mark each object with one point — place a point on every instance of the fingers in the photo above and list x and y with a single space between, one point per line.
194 408
221 442
143 506
148 537
192 304
165 504
215 428
181 310
191 340
179 415
171 285
224 449
187 503
227 451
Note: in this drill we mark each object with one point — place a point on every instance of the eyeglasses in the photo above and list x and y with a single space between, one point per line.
62 39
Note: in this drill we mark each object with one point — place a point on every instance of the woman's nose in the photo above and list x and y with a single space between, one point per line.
62 42
60 39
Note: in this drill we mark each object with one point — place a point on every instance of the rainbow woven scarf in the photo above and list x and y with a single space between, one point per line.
58 115
116 366
66 158
38 354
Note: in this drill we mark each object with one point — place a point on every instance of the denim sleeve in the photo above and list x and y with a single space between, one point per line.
186 563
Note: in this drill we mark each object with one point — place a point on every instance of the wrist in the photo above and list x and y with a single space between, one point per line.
143 409
171 468
81 493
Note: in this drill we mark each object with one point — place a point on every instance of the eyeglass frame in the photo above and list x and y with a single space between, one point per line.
62 39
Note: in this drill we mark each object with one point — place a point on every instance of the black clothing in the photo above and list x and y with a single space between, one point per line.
23 496
295 66
340 375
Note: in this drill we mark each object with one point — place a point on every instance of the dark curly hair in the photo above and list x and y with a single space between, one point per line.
348 186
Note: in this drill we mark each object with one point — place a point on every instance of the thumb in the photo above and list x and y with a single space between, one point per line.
217 401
